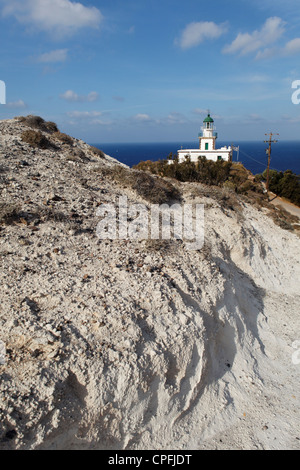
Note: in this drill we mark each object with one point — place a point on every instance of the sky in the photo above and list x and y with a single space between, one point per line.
149 71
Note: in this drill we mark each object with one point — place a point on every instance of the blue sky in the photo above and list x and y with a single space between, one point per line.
141 71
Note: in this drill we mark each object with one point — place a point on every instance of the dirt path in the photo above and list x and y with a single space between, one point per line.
288 206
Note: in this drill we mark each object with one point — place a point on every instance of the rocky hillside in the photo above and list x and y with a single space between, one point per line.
138 344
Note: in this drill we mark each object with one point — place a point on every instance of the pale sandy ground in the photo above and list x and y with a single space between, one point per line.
120 345
278 201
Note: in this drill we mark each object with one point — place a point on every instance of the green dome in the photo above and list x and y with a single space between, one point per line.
208 119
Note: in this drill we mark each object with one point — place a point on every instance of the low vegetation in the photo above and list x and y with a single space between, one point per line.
230 175
97 152
65 138
13 213
151 188
230 184
284 184
283 218
37 122
9 213
36 139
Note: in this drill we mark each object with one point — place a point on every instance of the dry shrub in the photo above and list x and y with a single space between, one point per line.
12 212
283 218
51 127
37 122
245 187
9 212
97 152
225 196
46 214
36 139
151 188
163 246
65 138
239 173
77 155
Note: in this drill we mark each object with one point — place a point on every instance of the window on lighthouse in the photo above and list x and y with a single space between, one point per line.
206 146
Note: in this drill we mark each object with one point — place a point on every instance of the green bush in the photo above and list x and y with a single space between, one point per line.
285 184
204 171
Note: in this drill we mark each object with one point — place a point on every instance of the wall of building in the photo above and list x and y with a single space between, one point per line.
210 155
209 141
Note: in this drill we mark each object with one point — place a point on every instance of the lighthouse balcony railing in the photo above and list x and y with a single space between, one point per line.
214 134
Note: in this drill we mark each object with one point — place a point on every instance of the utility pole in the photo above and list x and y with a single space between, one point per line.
268 152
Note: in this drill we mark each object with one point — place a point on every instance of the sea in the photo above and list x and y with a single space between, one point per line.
285 155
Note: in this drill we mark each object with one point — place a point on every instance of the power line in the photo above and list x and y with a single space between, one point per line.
268 152
263 164
251 158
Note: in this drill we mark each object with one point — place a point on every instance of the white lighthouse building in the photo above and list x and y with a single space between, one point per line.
207 145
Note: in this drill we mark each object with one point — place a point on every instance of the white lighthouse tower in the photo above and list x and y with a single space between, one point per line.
207 145
207 138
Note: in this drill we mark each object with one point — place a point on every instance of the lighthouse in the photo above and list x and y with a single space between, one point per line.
207 145
207 138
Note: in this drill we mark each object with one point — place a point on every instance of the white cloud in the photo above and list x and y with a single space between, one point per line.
267 53
246 43
16 104
142 117
59 55
84 114
92 96
100 122
292 47
197 32
176 118
91 118
70 95
61 17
